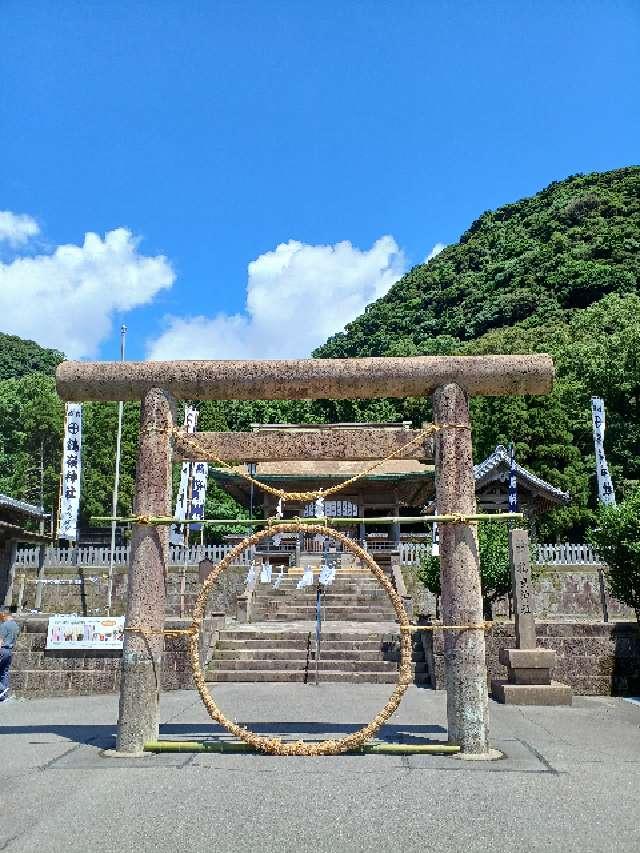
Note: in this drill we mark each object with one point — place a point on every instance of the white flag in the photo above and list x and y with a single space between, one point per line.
279 579
71 470
603 477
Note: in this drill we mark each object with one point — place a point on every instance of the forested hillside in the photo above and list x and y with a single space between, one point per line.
558 273
564 248
19 357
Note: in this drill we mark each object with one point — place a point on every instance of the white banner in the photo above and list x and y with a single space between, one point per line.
71 470
190 501
605 484
85 632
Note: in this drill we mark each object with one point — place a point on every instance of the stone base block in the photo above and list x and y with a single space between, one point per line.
530 694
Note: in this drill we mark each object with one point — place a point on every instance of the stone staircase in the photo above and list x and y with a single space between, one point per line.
359 643
289 655
354 596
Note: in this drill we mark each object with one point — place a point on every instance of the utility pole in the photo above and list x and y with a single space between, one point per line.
116 483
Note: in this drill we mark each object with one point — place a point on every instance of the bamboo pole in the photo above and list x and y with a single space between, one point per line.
265 522
239 746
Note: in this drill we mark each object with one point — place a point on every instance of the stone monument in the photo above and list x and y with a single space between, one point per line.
529 668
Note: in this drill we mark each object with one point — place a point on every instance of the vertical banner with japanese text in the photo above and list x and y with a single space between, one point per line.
71 470
606 494
513 482
193 487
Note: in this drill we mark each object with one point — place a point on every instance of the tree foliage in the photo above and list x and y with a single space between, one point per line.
19 357
616 537
495 571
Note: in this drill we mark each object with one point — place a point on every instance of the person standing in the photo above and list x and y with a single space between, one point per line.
9 630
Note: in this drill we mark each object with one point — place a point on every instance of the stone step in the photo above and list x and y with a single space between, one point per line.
290 586
328 653
332 645
299 663
355 613
335 631
327 600
299 675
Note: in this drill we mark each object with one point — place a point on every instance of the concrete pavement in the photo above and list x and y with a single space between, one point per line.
570 779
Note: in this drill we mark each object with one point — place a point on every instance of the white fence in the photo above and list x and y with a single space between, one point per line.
564 554
90 556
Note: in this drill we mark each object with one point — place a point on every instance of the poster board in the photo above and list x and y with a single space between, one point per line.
85 632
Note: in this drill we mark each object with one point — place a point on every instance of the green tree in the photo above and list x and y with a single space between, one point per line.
31 418
495 571
617 540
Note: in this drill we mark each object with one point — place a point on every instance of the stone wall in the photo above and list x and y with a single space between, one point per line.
90 594
36 671
594 658
559 594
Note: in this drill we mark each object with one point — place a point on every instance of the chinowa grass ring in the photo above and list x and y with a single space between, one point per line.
274 745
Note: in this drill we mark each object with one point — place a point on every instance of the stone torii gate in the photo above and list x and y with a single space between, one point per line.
450 379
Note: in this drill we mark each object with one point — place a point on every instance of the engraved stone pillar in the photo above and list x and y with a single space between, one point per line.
521 588
142 655
464 651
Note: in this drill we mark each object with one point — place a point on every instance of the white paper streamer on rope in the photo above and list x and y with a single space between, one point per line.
71 471
327 574
251 575
265 574
319 508
306 579
603 477
435 540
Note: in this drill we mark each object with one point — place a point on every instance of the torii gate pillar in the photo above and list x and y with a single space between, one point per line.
139 716
464 651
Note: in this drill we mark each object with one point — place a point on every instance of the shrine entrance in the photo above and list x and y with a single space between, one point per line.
450 379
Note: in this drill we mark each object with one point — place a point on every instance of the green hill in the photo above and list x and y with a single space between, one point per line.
19 357
566 247
558 272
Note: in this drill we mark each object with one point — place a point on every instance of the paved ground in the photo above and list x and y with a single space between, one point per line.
570 780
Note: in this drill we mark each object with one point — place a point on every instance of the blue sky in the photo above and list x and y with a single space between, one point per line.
194 139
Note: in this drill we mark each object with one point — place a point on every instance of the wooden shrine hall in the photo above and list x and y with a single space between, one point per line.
395 487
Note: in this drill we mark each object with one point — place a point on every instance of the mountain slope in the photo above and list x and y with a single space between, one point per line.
565 247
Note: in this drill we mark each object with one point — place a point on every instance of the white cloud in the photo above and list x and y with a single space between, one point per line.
17 228
67 299
297 295
435 251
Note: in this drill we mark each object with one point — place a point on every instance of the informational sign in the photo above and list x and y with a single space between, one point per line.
193 486
332 509
85 632
603 477
71 470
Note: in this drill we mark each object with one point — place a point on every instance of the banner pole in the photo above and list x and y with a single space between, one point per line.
116 484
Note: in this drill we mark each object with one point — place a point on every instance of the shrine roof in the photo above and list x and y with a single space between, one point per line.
500 461
17 507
